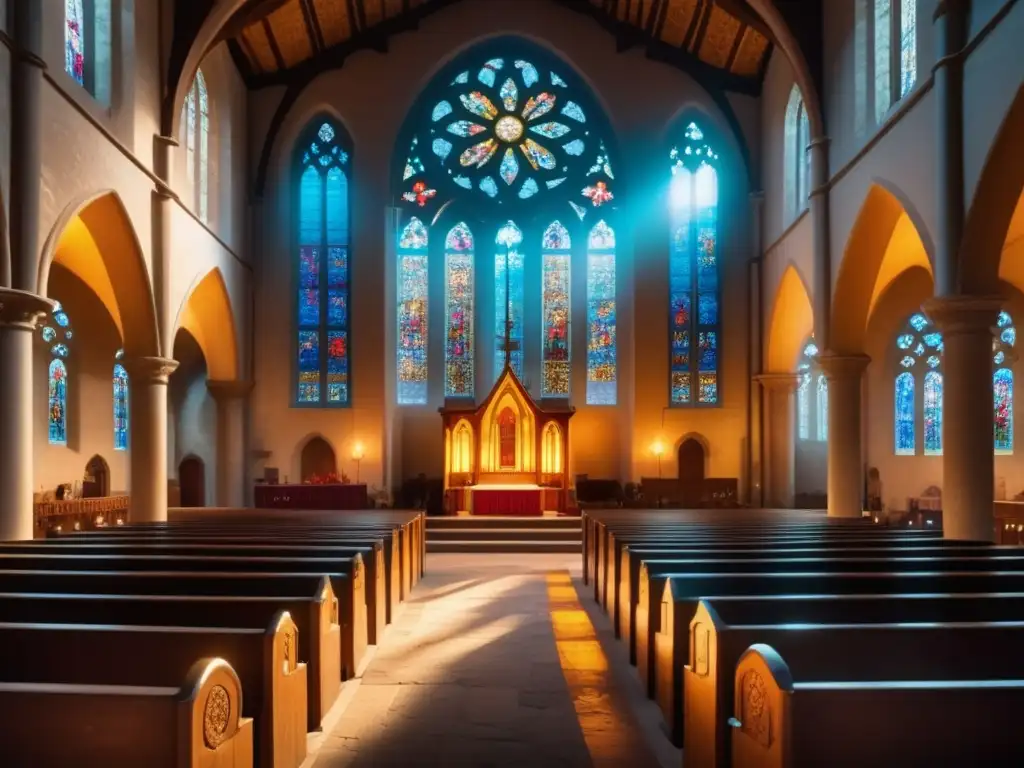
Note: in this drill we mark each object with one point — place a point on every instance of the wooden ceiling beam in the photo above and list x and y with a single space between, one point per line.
274 49
316 35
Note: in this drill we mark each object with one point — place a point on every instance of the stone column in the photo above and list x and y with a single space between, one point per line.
231 445
20 312
822 287
163 244
26 157
950 38
147 378
755 345
845 455
780 456
967 454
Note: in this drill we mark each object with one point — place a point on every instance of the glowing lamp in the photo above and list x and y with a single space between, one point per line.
357 451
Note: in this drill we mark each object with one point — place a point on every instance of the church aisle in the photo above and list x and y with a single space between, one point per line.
495 662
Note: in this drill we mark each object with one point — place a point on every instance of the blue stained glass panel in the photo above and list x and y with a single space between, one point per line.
337 367
904 415
513 298
708 343
1002 389
932 413
412 324
309 367
602 349
555 349
337 207
311 207
707 309
337 311
822 408
120 408
58 403
74 40
803 407
309 307
337 267
459 313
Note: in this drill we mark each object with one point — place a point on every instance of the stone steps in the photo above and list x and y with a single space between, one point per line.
506 535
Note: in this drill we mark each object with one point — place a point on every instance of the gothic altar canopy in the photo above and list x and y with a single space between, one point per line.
508 455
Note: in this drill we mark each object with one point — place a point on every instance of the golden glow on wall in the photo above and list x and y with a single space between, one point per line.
462 448
551 449
1011 265
77 252
508 396
792 321
905 251
206 314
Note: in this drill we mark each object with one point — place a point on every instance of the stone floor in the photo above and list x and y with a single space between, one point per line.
498 660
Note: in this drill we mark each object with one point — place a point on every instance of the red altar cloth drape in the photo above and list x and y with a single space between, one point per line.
507 502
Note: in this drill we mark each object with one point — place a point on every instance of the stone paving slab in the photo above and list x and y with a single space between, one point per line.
493 662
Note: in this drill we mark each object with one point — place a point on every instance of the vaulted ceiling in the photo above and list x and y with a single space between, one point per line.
277 41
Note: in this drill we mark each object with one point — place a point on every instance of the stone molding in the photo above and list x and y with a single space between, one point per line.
843 366
154 370
227 390
23 309
960 315
778 382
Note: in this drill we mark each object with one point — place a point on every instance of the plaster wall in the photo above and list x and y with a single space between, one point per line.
371 96
192 423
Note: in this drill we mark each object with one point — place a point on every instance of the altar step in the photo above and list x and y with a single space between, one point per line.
504 534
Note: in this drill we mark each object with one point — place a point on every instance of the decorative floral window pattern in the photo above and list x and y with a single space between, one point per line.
322 333
693 271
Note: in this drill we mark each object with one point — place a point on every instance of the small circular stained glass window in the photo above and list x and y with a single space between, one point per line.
60 350
49 334
61 319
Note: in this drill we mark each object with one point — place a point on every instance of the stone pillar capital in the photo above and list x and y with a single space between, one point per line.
155 370
779 382
843 366
229 390
23 308
958 315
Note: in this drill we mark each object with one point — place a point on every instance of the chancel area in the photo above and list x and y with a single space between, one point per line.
449 380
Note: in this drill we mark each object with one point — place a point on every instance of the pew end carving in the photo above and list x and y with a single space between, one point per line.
763 688
212 732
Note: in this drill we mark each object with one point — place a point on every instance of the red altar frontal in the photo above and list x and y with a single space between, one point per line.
507 455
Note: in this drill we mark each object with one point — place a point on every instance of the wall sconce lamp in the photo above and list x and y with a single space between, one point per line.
658 449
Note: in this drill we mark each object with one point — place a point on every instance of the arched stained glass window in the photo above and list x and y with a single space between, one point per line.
904 414
811 396
323 270
508 298
412 314
1003 358
197 144
693 271
57 335
555 344
822 407
601 316
933 413
74 40
459 313
120 404
796 157
58 402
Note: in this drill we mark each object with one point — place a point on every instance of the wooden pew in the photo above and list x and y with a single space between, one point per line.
196 725
230 584
626 591
392 559
315 616
779 720
681 595
373 560
265 660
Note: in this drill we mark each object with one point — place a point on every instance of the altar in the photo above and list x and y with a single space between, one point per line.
508 454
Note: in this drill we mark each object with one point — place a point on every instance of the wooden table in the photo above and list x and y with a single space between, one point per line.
336 496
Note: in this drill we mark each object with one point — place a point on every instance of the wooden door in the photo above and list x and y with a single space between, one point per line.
691 462
192 480
507 438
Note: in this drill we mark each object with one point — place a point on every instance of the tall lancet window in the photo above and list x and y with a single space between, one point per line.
508 299
797 158
601 346
74 40
1003 358
412 314
895 29
197 144
57 334
555 346
322 333
120 381
812 397
693 271
458 318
